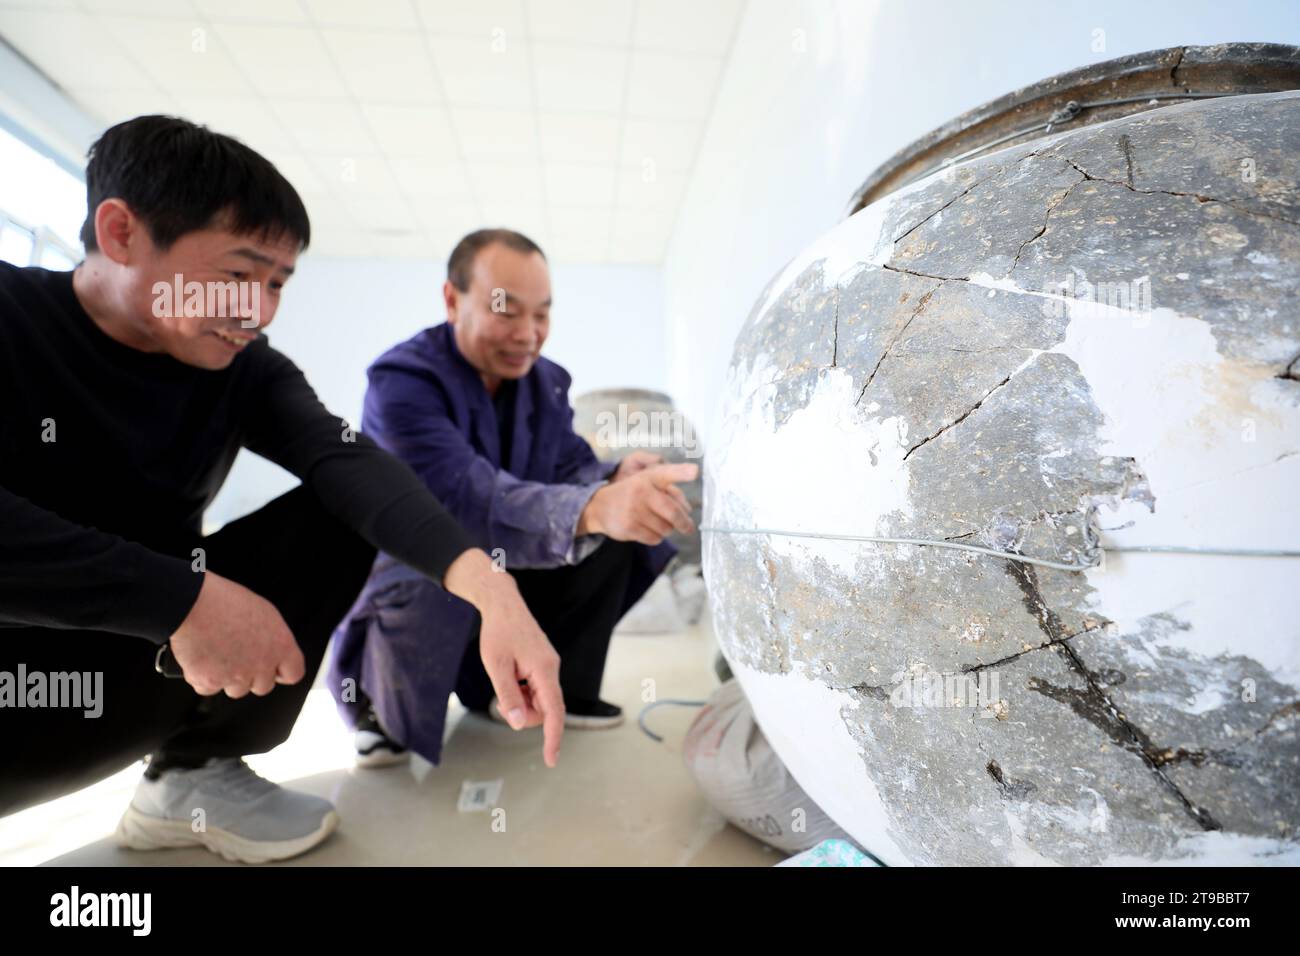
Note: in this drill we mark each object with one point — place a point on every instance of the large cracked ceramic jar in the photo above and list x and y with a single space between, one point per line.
1065 328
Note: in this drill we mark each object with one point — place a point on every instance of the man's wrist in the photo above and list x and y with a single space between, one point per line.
589 520
473 578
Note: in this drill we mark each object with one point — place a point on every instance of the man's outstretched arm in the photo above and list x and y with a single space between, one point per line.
533 521
383 500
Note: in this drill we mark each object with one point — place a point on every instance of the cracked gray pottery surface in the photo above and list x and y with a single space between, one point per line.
1089 337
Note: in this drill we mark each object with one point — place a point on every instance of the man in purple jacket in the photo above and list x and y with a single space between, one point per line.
485 422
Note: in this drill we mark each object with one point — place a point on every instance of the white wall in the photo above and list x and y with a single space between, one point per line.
796 130
339 315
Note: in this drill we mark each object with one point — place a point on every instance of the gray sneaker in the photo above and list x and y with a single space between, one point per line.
245 818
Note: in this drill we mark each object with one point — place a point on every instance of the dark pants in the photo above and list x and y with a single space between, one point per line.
302 560
576 607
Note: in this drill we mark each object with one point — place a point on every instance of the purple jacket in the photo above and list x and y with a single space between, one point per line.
404 638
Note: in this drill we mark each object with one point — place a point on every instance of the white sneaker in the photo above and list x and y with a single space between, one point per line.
244 818
374 747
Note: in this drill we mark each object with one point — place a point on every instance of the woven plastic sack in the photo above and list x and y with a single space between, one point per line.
744 779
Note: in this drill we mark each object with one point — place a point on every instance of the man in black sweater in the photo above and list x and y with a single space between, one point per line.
122 407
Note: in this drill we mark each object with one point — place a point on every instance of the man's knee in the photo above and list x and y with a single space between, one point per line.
293 539
320 538
351 555
612 554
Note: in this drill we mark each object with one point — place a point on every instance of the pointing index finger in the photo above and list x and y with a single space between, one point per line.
551 701
666 475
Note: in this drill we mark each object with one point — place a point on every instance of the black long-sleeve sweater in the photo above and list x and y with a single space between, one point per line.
109 456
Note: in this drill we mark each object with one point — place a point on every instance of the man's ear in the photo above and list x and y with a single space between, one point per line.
116 229
451 298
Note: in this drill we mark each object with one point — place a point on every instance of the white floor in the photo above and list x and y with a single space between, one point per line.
617 798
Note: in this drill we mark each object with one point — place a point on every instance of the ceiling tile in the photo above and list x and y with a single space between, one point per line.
474 73
327 213
526 217
495 183
662 192
579 78
571 184
590 220
110 107
605 22
440 246
660 145
668 145
416 131
385 14
392 216
41 4
639 236
652 224
350 176
379 67
686 26
58 43
579 251
153 8
282 61
577 137
407 123
446 220
261 11
497 134
248 119
335 128
180 56
302 175
672 85
430 178
491 19
580 246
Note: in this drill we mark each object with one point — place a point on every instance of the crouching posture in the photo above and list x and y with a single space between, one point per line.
121 418
485 422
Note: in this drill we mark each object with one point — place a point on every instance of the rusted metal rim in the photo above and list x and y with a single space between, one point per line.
1092 94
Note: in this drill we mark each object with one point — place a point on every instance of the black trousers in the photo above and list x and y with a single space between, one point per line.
577 607
294 554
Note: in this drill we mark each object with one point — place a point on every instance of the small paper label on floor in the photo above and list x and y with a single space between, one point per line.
479 795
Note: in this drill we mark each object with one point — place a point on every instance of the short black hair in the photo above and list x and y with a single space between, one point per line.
179 177
460 267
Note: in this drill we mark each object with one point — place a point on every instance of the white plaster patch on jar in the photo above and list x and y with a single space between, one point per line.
1174 404
854 243
1220 849
792 477
1207 698
1211 597
1022 854
1160 361
801 719
742 380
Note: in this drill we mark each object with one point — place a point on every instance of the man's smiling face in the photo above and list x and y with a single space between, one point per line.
201 300
250 269
503 318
